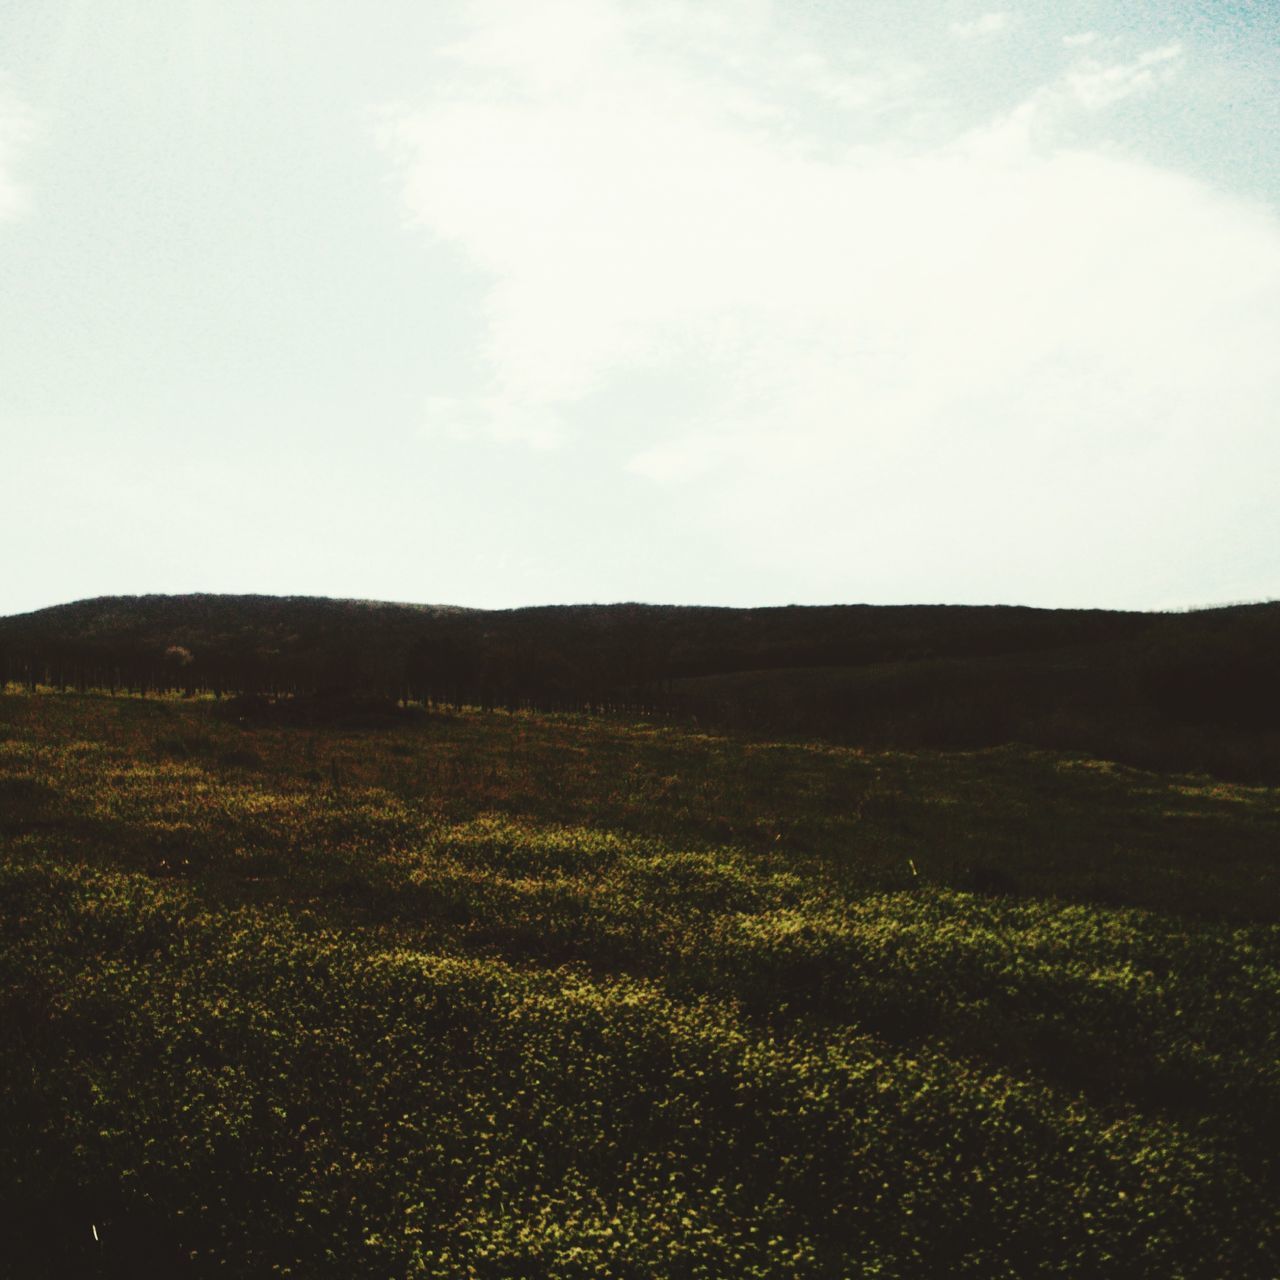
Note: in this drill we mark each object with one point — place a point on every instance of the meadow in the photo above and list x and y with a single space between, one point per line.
538 995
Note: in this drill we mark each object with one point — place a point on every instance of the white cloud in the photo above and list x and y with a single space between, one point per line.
1095 84
685 459
1054 113
1080 38
500 418
1001 351
988 24
16 130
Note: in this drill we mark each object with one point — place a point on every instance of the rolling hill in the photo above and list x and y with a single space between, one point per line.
1192 690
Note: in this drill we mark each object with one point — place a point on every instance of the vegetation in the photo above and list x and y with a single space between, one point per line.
1194 691
527 994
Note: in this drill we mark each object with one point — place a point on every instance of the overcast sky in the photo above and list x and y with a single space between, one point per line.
700 301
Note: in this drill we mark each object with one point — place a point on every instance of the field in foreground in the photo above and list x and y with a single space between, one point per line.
520 996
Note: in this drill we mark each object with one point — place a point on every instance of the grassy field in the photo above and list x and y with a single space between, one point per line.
526 995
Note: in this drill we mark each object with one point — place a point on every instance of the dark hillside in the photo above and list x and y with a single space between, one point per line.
1198 690
685 640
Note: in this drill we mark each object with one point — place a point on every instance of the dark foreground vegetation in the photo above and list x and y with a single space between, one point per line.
1198 691
536 995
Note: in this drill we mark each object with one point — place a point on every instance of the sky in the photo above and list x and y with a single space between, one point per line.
739 302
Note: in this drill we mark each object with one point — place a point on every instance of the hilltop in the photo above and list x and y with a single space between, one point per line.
690 639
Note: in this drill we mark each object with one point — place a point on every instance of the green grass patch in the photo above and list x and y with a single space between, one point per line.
518 995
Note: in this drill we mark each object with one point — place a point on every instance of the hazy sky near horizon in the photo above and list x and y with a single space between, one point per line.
495 302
